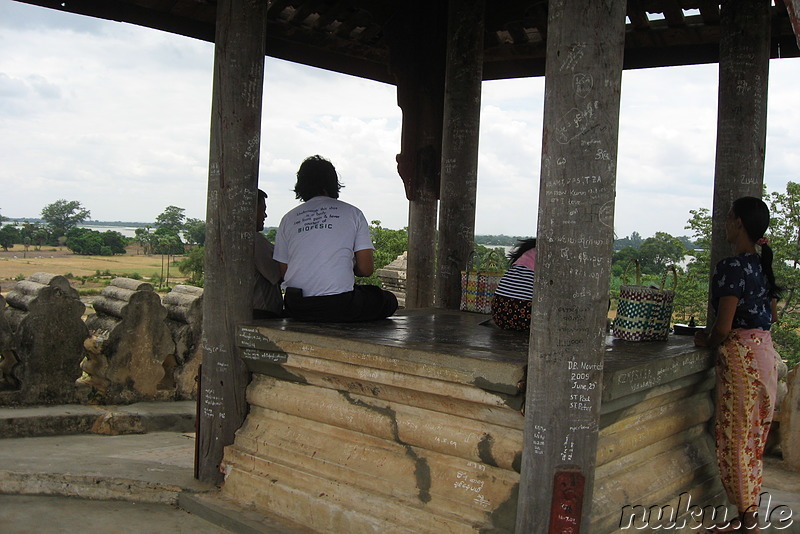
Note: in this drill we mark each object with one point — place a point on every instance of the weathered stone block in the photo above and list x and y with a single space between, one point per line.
184 306
134 341
44 315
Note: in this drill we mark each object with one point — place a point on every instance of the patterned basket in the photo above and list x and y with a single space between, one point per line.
644 313
478 286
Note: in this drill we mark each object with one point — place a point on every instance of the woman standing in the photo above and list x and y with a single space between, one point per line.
744 296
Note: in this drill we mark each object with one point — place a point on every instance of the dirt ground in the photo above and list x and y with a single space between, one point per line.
59 260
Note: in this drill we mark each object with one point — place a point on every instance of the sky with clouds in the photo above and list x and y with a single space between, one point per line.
117 117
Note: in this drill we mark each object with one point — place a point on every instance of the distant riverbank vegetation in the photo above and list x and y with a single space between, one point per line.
179 241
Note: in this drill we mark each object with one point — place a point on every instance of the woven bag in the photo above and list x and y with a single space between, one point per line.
478 285
644 313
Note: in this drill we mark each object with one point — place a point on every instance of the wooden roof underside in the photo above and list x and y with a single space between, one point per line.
349 36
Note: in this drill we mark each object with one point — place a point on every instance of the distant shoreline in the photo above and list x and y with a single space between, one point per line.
18 221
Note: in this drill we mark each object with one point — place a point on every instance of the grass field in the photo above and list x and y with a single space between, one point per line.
17 263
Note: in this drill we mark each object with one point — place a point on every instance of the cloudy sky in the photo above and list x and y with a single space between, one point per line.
117 117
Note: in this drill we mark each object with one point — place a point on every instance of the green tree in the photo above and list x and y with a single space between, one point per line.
658 252
691 296
172 218
40 237
490 259
62 215
193 265
194 231
8 236
634 240
389 244
91 242
144 237
167 241
784 237
621 260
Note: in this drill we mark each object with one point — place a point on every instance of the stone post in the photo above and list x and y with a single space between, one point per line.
131 333
44 314
185 321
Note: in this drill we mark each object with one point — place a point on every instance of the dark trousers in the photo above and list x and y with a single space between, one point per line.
364 303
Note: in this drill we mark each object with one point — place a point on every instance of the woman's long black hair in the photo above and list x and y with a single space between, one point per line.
522 246
754 215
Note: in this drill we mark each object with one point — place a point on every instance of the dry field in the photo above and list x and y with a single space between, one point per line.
59 260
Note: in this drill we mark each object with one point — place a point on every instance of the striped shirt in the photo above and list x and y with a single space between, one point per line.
517 283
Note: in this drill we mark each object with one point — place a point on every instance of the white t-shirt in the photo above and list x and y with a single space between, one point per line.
317 241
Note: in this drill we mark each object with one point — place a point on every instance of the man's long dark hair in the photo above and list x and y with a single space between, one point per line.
522 246
754 215
317 177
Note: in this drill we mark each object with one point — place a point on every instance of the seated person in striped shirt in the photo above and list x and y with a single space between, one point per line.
511 305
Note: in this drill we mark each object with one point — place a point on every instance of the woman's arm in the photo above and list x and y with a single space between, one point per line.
365 263
722 325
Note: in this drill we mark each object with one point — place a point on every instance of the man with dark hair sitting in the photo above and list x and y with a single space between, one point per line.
267 300
321 246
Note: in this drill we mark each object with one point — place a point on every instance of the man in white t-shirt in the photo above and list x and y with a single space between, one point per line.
321 246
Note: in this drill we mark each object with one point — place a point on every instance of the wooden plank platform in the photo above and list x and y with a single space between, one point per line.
415 424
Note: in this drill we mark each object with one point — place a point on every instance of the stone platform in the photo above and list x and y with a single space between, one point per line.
414 424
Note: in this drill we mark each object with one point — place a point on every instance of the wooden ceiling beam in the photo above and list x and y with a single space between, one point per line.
709 11
637 15
202 27
673 13
517 31
276 8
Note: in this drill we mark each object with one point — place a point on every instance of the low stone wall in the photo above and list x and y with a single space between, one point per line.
132 348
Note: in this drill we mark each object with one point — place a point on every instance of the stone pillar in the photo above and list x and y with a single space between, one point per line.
131 343
232 196
585 45
462 109
184 306
742 112
45 313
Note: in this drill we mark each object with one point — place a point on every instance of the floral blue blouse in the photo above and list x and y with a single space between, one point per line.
741 276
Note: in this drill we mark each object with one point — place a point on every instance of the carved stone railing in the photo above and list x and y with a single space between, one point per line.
41 359
185 321
130 344
393 277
